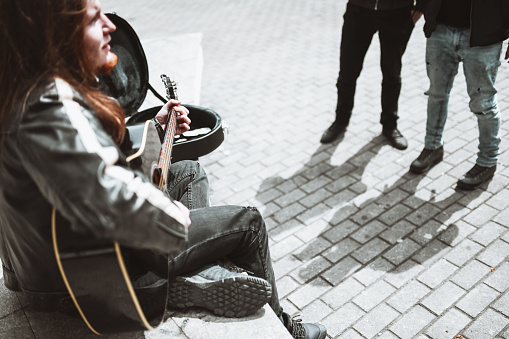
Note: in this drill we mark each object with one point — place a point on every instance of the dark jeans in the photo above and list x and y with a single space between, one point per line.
233 232
394 28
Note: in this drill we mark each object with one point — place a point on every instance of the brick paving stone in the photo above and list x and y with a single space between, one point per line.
448 325
423 214
463 252
395 214
432 251
455 233
289 212
309 292
443 297
367 213
351 334
487 233
397 231
377 319
425 233
403 273
286 285
402 251
470 274
342 293
481 215
316 311
373 295
310 269
437 273
477 300
368 231
373 271
281 231
341 319
341 270
341 231
498 279
502 304
312 249
370 250
412 322
495 253
487 325
499 201
340 250
408 295
285 265
291 197
284 247
502 218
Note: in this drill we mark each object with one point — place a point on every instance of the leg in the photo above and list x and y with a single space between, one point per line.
395 28
358 31
442 66
235 232
480 66
188 183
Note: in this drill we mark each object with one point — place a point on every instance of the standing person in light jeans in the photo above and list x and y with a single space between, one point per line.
472 32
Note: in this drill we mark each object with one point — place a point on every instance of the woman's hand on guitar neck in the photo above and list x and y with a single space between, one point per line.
183 120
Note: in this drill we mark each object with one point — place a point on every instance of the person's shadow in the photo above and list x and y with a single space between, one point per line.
363 225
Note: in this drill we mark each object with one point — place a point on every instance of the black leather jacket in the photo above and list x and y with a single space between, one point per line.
383 4
58 155
489 22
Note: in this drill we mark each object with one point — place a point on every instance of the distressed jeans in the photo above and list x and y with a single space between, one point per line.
232 232
445 49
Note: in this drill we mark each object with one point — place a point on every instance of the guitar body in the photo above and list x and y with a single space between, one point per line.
98 275
146 148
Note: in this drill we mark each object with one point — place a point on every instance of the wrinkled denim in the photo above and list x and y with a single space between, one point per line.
445 49
232 232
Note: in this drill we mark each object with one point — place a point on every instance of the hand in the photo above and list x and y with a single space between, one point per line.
507 54
416 15
183 120
185 212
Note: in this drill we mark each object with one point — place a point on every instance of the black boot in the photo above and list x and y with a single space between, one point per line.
427 159
333 132
225 293
300 330
395 138
477 176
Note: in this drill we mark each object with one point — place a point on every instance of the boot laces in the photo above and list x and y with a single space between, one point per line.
476 171
296 328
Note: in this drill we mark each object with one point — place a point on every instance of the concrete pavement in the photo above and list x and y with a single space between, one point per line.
358 243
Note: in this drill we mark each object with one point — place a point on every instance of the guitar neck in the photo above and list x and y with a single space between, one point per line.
169 135
165 156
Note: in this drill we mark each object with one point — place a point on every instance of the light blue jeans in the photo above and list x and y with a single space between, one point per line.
445 49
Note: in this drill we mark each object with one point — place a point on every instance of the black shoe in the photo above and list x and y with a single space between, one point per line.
300 330
225 293
476 177
395 138
333 132
427 159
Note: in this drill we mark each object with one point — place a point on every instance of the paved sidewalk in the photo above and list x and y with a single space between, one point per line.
358 243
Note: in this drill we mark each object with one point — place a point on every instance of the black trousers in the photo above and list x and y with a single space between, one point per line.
394 28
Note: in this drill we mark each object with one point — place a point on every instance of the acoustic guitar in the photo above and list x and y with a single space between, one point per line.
97 273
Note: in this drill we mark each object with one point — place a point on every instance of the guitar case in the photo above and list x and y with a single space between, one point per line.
129 84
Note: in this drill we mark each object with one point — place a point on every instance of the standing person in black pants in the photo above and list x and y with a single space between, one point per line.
394 21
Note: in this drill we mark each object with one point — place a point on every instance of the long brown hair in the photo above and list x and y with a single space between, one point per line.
43 39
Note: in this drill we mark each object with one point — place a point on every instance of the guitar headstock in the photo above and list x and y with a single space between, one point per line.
171 87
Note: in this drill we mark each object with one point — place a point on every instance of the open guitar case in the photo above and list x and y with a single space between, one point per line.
129 83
